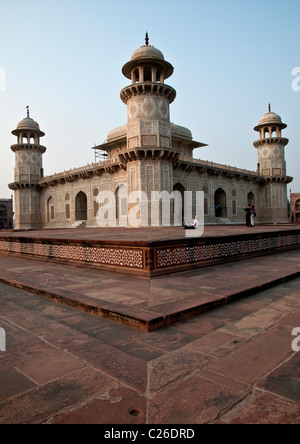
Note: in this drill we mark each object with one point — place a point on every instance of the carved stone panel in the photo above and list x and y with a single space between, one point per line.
150 140
165 141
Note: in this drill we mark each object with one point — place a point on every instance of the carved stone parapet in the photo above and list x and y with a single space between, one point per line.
271 141
215 170
148 88
39 148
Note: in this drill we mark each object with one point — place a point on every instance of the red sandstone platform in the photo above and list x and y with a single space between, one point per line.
230 365
150 252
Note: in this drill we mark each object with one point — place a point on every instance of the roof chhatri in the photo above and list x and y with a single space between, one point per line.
28 124
147 54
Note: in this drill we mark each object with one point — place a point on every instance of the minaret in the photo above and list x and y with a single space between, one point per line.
149 155
272 168
28 172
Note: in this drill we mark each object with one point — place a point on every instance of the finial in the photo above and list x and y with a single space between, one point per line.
269 107
27 107
147 39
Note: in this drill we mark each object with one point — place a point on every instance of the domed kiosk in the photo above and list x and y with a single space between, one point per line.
147 64
269 124
28 130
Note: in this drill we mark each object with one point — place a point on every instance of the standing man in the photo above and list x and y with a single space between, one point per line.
248 215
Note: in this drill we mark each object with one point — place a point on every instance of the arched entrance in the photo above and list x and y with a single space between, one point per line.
220 203
81 206
297 211
50 209
3 211
3 216
251 199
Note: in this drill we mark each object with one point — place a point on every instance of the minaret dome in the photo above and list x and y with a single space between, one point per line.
147 64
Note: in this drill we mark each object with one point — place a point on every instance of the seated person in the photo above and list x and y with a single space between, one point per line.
194 226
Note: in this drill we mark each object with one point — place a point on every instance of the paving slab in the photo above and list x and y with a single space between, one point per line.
35 406
264 408
194 400
285 381
257 357
102 410
12 383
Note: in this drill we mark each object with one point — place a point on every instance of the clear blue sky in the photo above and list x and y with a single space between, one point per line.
231 58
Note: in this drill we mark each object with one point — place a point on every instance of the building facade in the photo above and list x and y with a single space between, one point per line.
295 207
149 153
6 214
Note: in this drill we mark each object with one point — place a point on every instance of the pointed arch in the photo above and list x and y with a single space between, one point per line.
50 209
220 203
81 206
251 198
121 205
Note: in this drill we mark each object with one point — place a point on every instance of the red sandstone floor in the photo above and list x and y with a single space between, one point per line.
231 365
146 234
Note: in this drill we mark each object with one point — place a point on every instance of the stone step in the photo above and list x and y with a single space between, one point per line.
79 224
143 304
